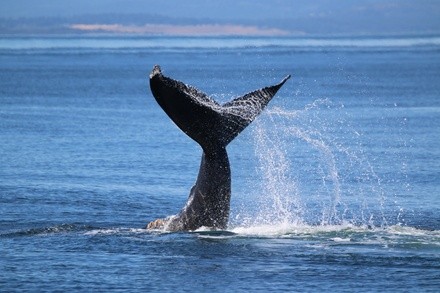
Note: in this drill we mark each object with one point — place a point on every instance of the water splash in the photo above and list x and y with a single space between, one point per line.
312 170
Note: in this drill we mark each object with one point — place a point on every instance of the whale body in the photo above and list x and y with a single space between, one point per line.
213 126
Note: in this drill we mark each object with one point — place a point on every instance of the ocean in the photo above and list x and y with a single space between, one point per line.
335 187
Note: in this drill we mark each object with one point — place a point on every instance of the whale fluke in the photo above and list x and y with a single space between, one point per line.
213 127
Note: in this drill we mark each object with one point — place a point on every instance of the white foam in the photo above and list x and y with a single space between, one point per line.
340 233
339 239
112 231
294 229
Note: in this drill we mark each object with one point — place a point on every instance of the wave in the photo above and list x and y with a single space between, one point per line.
286 229
179 43
396 236
80 229
44 231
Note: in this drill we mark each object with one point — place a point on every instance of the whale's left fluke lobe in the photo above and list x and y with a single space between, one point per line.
192 111
213 127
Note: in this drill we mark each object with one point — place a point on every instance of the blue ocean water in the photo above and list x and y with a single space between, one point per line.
336 186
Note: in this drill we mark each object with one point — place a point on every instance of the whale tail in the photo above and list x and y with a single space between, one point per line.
213 126
204 120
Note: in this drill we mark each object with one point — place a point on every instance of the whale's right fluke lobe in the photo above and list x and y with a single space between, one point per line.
241 111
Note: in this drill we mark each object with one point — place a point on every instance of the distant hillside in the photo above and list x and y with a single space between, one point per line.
341 22
133 24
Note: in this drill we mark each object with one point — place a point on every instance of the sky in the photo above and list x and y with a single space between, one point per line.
204 17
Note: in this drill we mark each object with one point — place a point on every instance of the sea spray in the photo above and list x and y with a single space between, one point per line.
282 204
312 169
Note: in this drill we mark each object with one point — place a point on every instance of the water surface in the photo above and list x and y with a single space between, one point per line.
335 187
